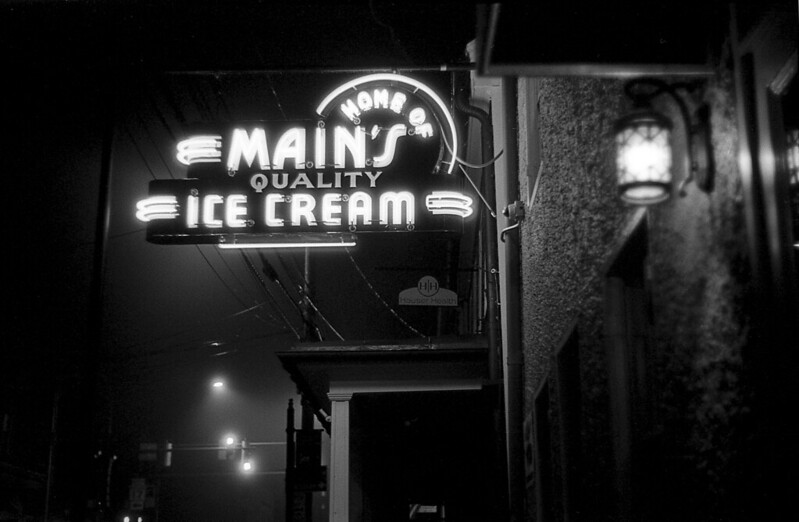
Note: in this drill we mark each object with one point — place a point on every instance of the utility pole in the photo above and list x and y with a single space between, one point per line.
310 334
290 461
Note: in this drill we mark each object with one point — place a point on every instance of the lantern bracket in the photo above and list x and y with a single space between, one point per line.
698 143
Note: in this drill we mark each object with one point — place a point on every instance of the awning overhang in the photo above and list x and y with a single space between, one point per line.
315 366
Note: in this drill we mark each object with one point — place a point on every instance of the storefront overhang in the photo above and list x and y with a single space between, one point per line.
557 39
385 366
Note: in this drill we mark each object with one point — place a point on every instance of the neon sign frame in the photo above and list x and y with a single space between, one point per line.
254 199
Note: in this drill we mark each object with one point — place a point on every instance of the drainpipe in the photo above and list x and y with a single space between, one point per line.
490 232
514 380
492 262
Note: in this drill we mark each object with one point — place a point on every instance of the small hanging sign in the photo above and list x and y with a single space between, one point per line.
428 293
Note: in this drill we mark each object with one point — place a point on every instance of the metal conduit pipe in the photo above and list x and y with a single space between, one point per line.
326 70
492 262
490 232
513 371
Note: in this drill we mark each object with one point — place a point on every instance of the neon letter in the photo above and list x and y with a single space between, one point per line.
248 147
331 206
360 204
394 134
372 177
417 116
350 110
209 202
381 98
344 141
364 101
319 151
396 200
234 209
397 102
301 179
192 211
302 206
271 201
291 145
424 130
284 180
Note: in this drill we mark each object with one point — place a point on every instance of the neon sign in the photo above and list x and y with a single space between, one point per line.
379 157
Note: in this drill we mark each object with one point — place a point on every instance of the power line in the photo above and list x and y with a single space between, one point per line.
260 280
380 298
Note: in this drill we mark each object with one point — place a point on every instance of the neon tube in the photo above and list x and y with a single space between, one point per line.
353 84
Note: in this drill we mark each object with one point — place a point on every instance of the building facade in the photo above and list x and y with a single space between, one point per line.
657 341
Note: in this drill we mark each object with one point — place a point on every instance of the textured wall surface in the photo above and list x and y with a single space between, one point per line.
697 285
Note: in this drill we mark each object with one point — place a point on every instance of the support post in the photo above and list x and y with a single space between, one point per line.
290 450
340 457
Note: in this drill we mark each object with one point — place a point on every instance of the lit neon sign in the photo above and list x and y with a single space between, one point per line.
380 157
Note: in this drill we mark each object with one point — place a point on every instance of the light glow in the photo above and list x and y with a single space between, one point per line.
417 116
248 147
343 141
360 204
450 203
291 145
234 209
394 133
397 201
390 77
302 206
157 207
331 206
200 149
271 201
643 157
192 211
287 245
209 210
319 151
792 154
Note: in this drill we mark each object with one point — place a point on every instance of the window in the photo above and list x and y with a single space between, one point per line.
627 329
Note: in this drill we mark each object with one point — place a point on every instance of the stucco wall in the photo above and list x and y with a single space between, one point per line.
698 284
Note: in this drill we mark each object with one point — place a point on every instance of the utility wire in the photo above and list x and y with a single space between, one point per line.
233 273
272 274
310 302
258 277
199 324
380 298
207 261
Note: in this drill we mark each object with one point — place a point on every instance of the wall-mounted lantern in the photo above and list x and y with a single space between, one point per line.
792 153
644 148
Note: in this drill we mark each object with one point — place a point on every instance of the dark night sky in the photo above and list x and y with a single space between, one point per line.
172 315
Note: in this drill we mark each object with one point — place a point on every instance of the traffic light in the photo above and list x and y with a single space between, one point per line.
228 449
166 459
247 465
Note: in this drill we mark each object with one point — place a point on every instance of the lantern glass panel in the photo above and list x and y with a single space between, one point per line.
643 160
793 156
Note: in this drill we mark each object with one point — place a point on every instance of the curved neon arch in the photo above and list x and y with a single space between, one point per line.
354 84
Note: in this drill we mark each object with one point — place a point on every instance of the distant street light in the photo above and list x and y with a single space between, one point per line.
218 384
